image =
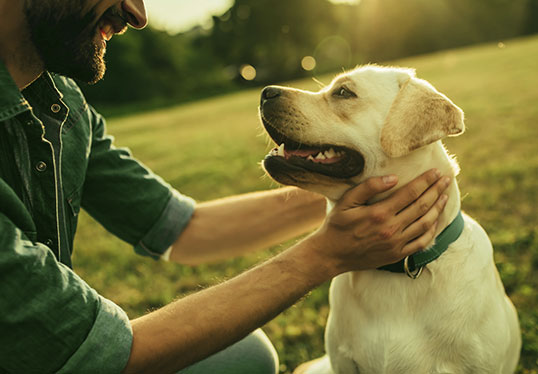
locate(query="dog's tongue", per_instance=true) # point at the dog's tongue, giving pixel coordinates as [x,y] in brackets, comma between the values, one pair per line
[302,152]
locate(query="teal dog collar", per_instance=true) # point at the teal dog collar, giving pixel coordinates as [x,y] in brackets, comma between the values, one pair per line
[412,265]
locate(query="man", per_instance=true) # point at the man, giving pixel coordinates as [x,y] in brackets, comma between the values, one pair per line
[56,157]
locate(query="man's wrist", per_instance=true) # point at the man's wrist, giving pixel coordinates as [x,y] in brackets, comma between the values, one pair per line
[313,262]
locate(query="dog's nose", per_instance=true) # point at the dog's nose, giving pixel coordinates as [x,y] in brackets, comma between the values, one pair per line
[270,92]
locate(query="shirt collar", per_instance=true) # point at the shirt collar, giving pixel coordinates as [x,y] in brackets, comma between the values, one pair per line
[12,102]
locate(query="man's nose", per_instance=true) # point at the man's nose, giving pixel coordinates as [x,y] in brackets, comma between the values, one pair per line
[136,13]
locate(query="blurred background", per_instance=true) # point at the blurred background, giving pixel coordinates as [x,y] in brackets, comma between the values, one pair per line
[194,49]
[183,93]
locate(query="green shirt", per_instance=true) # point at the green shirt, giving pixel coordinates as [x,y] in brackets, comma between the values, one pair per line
[55,157]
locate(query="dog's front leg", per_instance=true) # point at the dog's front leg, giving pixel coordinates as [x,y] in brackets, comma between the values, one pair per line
[340,360]
[345,366]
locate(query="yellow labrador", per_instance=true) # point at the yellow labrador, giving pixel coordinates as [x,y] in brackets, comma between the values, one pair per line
[443,310]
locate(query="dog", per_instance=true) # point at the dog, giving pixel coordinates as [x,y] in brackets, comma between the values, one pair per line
[446,314]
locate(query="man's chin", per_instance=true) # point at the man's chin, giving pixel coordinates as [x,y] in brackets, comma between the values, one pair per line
[89,77]
[93,72]
[89,68]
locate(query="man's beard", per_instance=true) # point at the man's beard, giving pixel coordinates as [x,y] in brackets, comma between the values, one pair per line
[65,38]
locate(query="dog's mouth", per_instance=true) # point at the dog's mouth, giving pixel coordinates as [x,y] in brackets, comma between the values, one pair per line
[326,159]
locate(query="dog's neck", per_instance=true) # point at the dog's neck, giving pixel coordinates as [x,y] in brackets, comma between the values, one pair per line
[411,166]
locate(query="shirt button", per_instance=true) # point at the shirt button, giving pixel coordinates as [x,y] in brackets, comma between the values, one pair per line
[49,242]
[55,108]
[41,166]
[29,122]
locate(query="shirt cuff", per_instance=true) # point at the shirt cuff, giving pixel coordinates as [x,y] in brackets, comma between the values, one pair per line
[166,255]
[175,217]
[107,347]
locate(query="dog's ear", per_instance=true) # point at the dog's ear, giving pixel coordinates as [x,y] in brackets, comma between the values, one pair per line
[419,115]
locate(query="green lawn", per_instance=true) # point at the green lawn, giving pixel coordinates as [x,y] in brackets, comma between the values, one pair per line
[212,148]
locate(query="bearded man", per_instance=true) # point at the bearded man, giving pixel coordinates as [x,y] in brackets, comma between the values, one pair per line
[55,157]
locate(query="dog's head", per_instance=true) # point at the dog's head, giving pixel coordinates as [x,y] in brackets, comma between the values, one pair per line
[333,139]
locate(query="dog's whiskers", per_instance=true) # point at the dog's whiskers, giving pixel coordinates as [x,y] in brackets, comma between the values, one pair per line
[320,83]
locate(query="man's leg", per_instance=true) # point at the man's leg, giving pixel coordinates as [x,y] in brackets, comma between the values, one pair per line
[253,355]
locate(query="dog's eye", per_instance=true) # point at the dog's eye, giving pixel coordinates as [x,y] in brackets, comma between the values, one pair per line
[343,93]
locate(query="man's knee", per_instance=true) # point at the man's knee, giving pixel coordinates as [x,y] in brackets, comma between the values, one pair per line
[266,358]
[254,354]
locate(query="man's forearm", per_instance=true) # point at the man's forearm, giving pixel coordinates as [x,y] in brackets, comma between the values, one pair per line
[353,237]
[194,327]
[232,226]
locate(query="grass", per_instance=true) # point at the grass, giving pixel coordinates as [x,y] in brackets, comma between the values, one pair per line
[212,148]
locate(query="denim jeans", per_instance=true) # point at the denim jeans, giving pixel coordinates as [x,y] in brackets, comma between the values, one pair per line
[253,355]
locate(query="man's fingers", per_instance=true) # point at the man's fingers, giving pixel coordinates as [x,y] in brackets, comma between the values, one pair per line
[360,194]
[425,223]
[412,191]
[419,243]
[423,205]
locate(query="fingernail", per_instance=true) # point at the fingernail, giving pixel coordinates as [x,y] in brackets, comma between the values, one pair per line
[443,198]
[390,179]
[437,173]
[445,181]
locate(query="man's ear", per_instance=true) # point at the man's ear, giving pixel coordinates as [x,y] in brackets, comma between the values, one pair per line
[419,115]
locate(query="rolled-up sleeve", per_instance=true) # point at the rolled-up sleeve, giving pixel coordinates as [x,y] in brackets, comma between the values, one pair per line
[129,200]
[107,347]
[51,321]
[174,218]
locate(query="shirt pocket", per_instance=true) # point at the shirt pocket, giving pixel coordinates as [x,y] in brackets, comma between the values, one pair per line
[76,143]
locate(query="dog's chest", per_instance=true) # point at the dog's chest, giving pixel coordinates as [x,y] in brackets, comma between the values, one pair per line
[387,324]
[390,323]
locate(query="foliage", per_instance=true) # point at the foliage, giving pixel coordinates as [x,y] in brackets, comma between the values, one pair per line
[151,68]
[271,35]
[211,148]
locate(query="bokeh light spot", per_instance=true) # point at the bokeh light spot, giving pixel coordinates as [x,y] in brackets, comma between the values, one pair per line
[333,52]
[248,72]
[308,63]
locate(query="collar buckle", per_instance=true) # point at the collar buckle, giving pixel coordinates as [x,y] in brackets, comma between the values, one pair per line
[411,274]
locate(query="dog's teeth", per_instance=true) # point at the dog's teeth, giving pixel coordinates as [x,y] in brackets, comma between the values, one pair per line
[330,153]
[310,158]
[320,156]
[280,151]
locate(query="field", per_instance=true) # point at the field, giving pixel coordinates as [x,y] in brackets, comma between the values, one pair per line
[212,148]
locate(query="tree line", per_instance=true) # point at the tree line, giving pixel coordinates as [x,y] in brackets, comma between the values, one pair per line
[258,42]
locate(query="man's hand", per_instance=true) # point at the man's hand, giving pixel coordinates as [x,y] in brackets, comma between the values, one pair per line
[356,236]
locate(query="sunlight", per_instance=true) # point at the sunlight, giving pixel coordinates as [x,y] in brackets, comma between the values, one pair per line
[177,16]
[345,1]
